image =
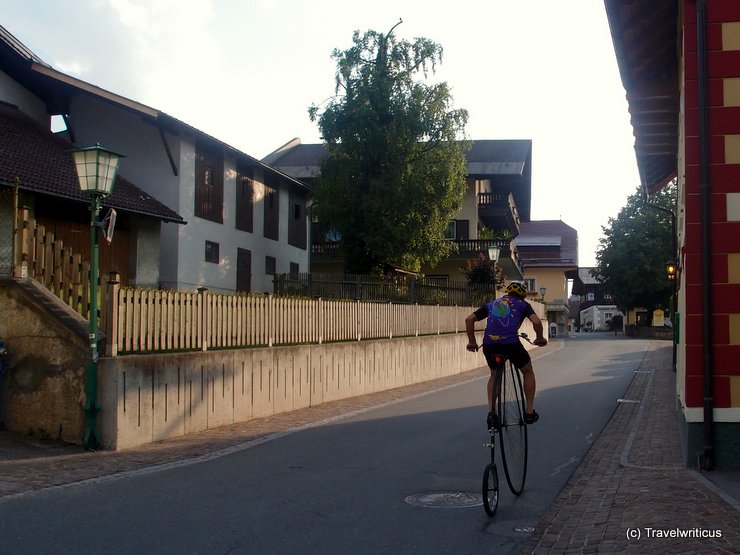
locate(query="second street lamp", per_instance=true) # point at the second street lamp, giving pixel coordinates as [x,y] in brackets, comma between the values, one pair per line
[670,270]
[96,170]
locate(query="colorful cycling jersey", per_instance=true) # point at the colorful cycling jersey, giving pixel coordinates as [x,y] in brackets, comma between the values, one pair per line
[505,315]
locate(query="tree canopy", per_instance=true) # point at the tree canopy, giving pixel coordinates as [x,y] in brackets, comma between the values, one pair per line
[395,171]
[634,250]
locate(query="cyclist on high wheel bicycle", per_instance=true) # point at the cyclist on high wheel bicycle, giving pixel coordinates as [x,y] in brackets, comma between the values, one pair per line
[505,315]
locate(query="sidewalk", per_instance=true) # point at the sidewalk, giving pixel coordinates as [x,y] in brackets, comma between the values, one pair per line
[632,480]
[631,492]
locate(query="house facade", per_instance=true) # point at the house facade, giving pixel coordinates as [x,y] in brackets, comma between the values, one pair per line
[245,220]
[497,200]
[680,66]
[549,252]
[39,187]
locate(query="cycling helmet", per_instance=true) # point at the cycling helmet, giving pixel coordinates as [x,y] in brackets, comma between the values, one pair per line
[516,288]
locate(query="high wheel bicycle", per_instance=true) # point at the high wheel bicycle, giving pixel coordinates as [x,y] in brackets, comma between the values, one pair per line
[509,425]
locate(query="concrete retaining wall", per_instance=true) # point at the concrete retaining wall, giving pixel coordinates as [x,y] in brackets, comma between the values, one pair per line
[43,387]
[146,398]
[155,397]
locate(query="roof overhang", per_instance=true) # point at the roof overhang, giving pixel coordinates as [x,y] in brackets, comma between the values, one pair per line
[80,85]
[645,36]
[57,89]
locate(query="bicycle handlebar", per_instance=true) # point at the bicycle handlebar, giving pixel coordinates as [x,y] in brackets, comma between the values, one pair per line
[523,335]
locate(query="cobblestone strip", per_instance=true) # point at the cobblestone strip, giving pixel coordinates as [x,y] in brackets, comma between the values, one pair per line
[610,507]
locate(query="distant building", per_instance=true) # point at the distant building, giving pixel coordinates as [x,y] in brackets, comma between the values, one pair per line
[549,252]
[598,317]
[496,202]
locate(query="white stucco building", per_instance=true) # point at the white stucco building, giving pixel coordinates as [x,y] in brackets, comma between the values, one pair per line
[245,221]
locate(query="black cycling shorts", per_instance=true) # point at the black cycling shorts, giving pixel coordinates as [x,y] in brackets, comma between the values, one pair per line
[515,352]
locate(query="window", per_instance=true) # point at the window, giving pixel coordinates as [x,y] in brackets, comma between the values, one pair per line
[437,279]
[270,265]
[272,208]
[530,284]
[462,230]
[212,252]
[209,186]
[294,268]
[458,230]
[297,235]
[244,201]
[243,270]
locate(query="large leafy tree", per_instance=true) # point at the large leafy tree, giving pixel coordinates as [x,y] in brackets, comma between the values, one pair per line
[634,249]
[395,171]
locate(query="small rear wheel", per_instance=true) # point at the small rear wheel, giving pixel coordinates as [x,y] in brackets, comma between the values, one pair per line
[490,489]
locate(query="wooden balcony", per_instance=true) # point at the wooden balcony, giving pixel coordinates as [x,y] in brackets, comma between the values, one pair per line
[508,254]
[466,249]
[498,212]
[328,249]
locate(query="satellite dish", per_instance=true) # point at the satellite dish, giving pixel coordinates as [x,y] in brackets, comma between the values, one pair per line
[109,225]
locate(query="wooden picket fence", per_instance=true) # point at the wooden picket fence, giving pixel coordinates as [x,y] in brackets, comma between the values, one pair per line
[137,320]
[148,320]
[45,258]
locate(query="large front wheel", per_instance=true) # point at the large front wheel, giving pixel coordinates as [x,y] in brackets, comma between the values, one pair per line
[513,431]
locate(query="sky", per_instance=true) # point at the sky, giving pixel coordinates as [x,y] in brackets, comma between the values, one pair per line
[246,72]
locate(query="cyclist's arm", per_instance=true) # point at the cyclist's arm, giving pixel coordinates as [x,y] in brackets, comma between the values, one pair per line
[470,329]
[538,329]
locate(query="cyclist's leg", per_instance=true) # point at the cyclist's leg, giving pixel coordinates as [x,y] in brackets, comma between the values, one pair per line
[489,389]
[523,362]
[488,352]
[491,361]
[530,386]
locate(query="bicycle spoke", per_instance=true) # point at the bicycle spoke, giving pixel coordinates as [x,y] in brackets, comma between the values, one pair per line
[513,432]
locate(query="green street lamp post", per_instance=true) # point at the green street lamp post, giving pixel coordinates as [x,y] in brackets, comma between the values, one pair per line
[96,171]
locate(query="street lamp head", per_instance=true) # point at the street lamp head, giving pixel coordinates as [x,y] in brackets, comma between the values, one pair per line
[96,169]
[543,290]
[670,269]
[493,253]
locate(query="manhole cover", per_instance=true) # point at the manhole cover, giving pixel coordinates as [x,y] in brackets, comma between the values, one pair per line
[524,529]
[445,499]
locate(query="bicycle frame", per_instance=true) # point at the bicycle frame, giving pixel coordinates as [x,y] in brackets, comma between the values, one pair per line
[515,430]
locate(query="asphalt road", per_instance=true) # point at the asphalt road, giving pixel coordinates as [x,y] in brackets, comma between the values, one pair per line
[342,487]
